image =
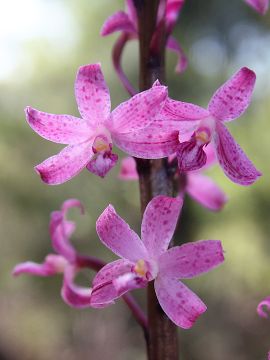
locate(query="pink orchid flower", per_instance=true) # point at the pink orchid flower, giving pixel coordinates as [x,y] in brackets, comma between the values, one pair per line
[263,306]
[127,23]
[66,261]
[150,259]
[207,126]
[200,187]
[90,139]
[261,6]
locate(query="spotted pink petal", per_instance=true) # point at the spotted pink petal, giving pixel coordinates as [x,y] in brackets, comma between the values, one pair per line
[65,165]
[75,296]
[190,155]
[159,222]
[181,116]
[104,292]
[92,94]
[118,21]
[52,265]
[61,229]
[173,8]
[205,191]
[62,129]
[261,6]
[128,170]
[183,111]
[180,304]
[233,97]
[232,159]
[182,62]
[116,234]
[153,142]
[191,259]
[116,57]
[138,112]
[264,307]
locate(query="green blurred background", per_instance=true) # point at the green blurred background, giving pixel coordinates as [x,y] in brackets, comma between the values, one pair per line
[42,43]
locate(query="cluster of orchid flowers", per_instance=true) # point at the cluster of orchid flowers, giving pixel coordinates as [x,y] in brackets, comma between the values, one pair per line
[150,125]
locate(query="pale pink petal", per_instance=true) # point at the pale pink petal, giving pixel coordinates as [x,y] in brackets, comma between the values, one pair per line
[138,112]
[233,97]
[70,204]
[62,129]
[191,259]
[129,281]
[259,5]
[190,155]
[104,292]
[205,191]
[264,307]
[115,233]
[61,230]
[72,294]
[172,11]
[159,222]
[161,15]
[182,62]
[116,57]
[153,142]
[211,156]
[118,21]
[52,265]
[92,94]
[101,164]
[128,170]
[180,304]
[132,12]
[232,159]
[65,165]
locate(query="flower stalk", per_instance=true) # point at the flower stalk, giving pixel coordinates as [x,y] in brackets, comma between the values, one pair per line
[154,177]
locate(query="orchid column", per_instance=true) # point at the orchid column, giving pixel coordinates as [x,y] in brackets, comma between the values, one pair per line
[154,177]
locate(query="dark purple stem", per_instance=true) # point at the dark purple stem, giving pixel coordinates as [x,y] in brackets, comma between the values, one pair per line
[155,176]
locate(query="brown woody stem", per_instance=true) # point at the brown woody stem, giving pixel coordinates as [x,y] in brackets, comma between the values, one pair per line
[155,177]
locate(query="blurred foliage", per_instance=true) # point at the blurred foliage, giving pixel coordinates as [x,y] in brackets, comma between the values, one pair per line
[218,37]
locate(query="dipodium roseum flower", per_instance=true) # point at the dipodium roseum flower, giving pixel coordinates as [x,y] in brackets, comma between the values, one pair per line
[90,139]
[199,186]
[263,306]
[207,126]
[127,23]
[150,259]
[66,261]
[261,6]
